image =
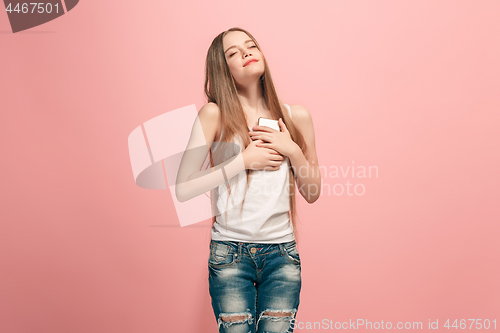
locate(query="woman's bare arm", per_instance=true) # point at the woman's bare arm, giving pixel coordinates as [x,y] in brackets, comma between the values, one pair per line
[306,166]
[191,180]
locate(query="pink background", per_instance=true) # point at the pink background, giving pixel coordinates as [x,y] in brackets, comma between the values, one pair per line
[409,87]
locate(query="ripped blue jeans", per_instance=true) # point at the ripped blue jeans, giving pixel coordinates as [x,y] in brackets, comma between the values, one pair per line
[254,287]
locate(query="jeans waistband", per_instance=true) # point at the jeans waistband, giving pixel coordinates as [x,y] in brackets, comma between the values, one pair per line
[243,248]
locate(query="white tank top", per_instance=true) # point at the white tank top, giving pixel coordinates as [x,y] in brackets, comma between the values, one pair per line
[265,214]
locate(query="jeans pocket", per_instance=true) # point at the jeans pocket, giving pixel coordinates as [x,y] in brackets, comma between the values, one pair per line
[292,253]
[221,255]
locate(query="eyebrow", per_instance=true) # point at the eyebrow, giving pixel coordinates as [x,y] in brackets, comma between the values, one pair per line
[247,41]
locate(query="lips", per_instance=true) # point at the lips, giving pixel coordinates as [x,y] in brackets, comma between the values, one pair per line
[249,62]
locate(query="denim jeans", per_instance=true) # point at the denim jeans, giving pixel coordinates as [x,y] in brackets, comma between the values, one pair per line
[254,287]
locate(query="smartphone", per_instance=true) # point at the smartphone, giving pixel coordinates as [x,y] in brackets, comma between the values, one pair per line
[269,123]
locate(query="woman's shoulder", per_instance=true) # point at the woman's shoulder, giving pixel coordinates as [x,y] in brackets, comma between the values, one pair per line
[299,113]
[210,118]
[210,109]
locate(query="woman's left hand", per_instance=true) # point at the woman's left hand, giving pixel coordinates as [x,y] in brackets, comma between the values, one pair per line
[279,141]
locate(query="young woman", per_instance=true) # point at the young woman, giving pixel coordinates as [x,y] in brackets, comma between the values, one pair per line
[254,265]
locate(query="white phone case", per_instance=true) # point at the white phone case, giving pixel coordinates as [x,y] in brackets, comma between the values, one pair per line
[269,123]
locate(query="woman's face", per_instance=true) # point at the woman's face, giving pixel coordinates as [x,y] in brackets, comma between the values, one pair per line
[238,50]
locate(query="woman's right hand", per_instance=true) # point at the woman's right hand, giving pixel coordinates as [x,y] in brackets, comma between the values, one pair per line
[261,158]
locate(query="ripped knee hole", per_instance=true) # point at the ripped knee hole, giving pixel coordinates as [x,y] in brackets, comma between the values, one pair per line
[229,318]
[277,314]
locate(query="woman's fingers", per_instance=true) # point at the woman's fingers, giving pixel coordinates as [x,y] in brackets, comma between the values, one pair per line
[272,151]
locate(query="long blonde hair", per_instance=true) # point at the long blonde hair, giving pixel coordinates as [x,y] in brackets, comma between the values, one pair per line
[220,89]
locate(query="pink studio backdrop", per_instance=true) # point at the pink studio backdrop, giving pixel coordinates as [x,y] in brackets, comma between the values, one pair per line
[407,87]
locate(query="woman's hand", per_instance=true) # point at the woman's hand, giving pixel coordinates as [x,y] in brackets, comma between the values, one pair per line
[259,158]
[279,141]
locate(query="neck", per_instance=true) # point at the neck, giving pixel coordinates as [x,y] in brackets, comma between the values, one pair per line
[251,97]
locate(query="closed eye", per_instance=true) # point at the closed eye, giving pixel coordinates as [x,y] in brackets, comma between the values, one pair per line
[235,52]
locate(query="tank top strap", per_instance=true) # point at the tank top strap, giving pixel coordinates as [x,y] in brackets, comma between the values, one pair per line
[216,144]
[289,110]
[221,131]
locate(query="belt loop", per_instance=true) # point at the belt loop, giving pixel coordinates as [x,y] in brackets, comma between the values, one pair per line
[282,250]
[239,252]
